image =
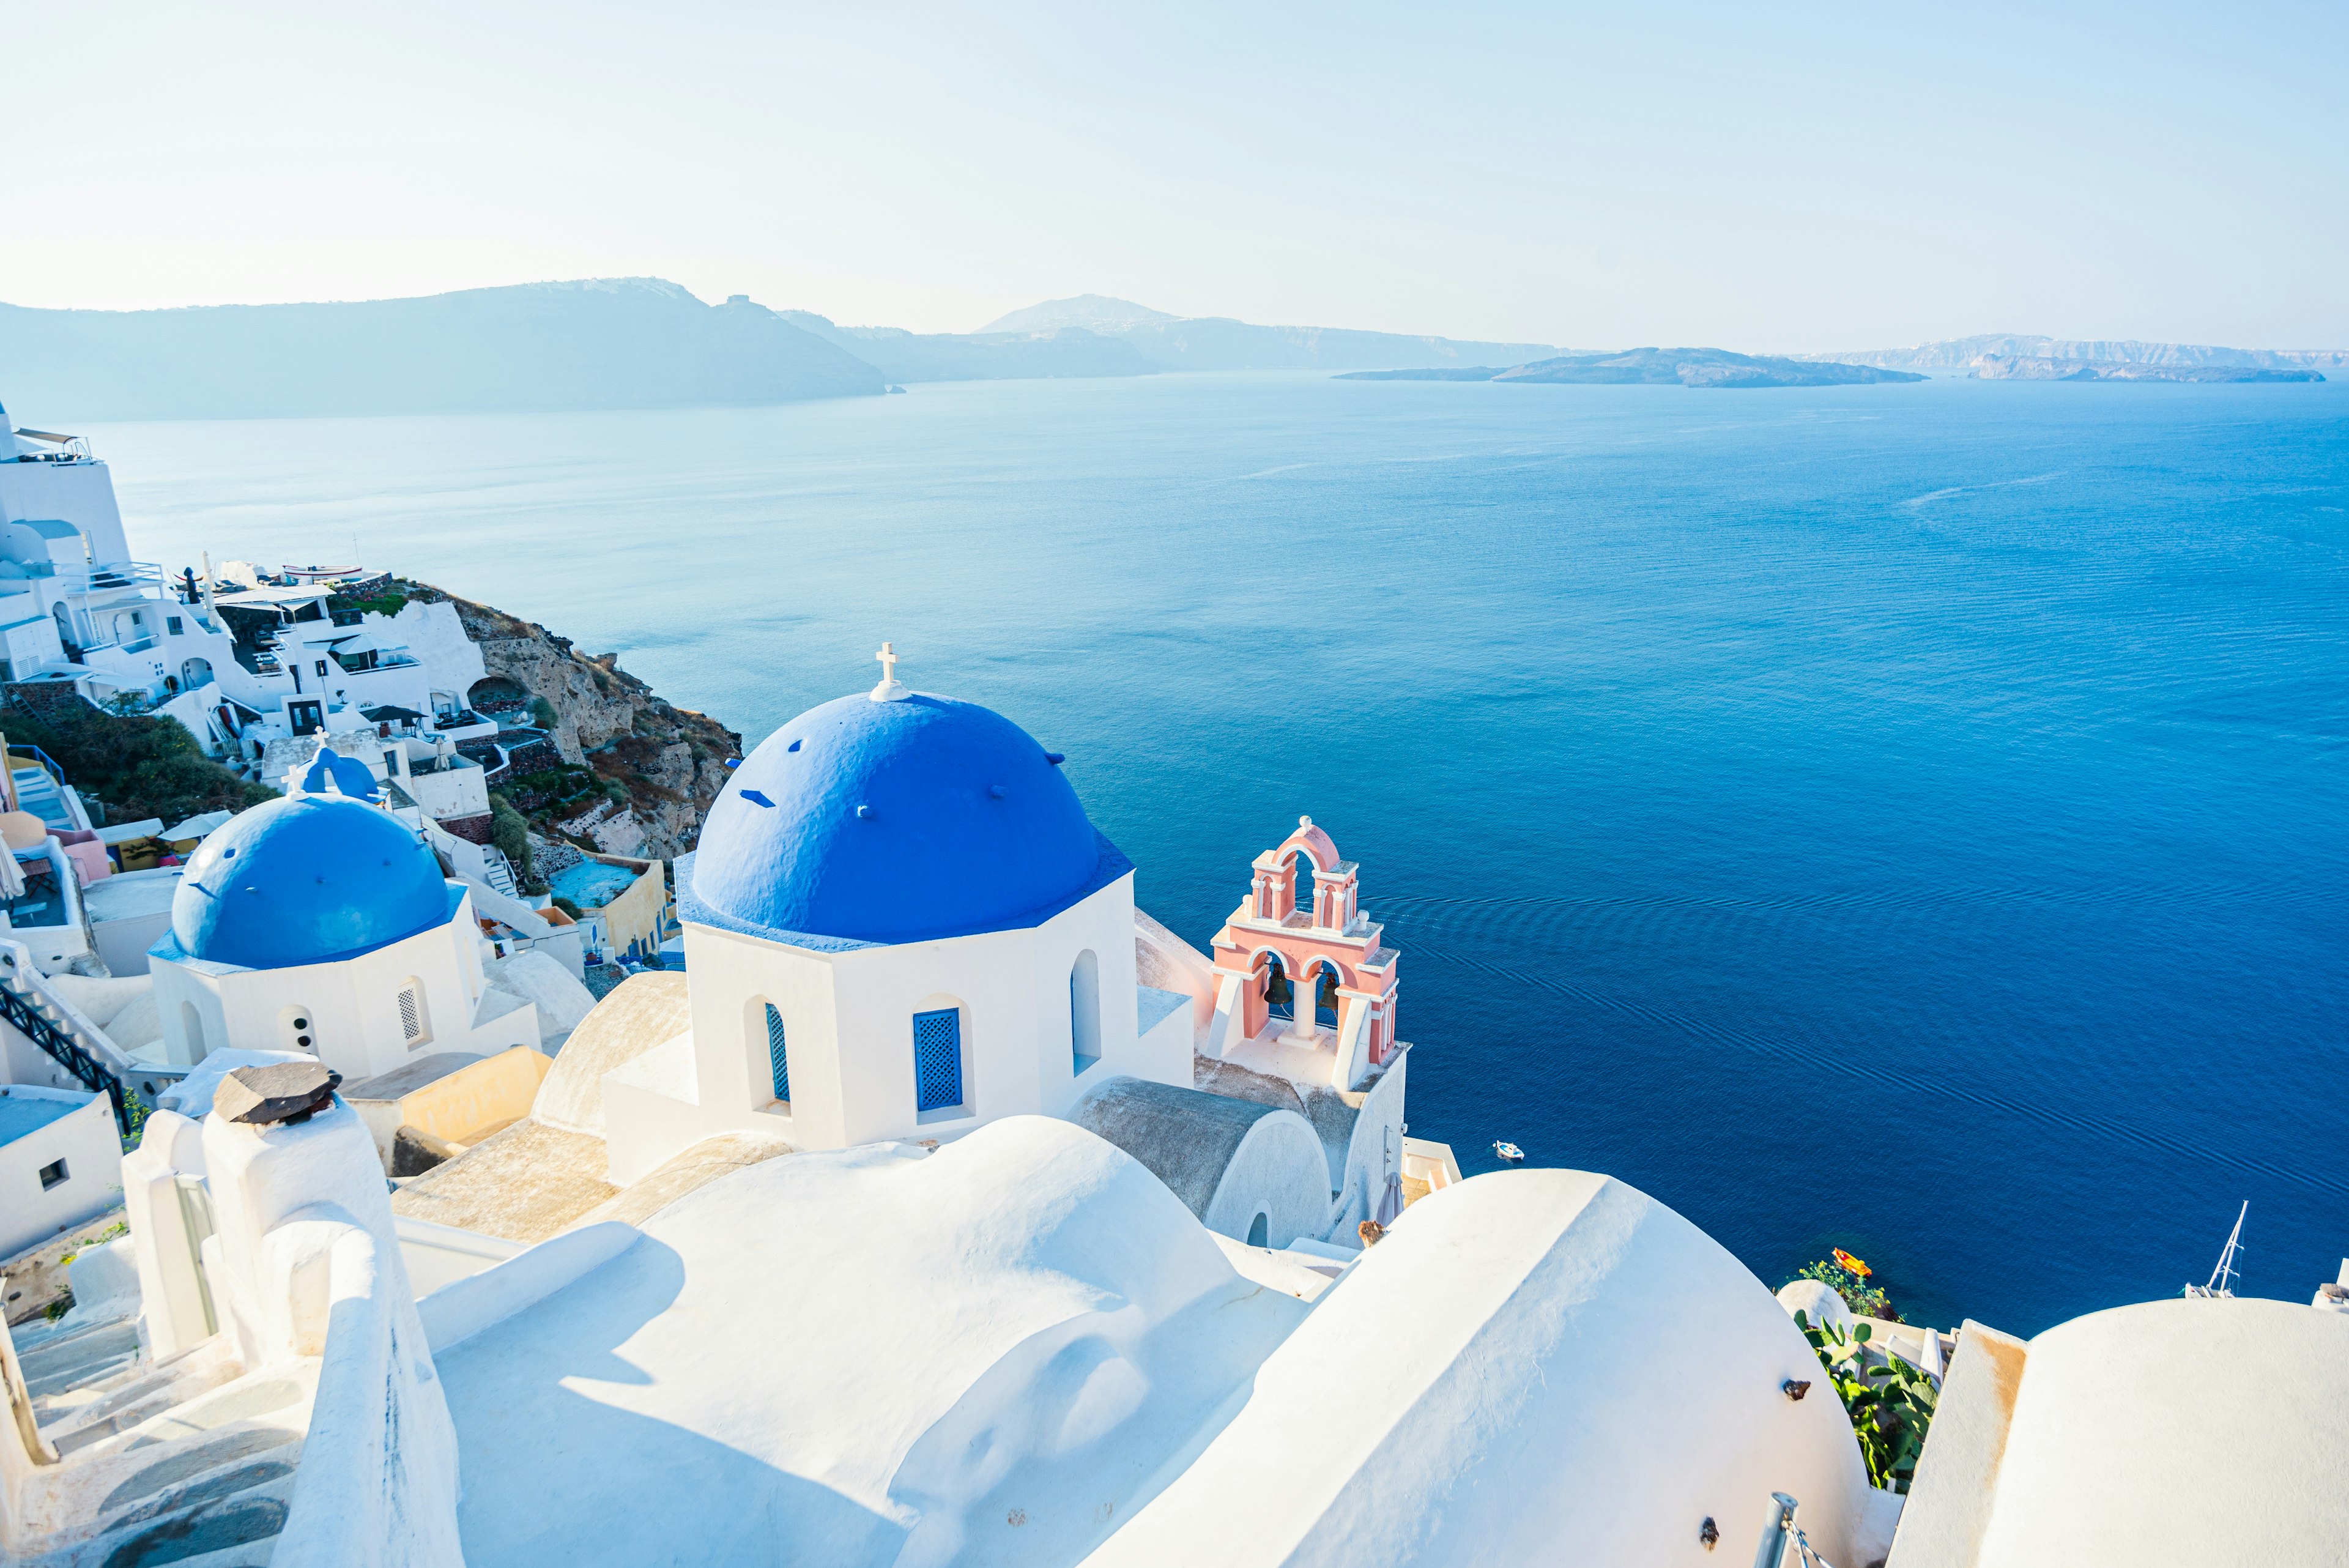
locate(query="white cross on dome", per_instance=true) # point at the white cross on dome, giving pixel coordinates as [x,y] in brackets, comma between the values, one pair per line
[890,690]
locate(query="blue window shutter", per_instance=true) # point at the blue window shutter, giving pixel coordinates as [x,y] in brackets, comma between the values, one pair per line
[778,1060]
[938,1059]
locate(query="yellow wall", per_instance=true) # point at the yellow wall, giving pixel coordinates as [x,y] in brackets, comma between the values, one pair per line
[636,915]
[473,1102]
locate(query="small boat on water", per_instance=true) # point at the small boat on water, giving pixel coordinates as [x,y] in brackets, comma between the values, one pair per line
[1852,1263]
[1508,1151]
[2222,1278]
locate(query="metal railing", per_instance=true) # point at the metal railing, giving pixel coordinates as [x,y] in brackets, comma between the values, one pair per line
[113,575]
[66,1052]
[1779,1532]
[26,749]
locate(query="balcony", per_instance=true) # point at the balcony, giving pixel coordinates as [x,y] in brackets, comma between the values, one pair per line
[110,578]
[377,659]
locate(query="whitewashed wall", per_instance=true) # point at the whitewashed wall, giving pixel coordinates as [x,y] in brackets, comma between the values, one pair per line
[86,1140]
[848,1017]
[353,1005]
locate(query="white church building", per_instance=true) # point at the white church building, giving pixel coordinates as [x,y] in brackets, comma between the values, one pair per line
[323,924]
[898,924]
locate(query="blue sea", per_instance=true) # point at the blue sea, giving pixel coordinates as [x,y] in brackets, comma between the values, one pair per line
[1906,818]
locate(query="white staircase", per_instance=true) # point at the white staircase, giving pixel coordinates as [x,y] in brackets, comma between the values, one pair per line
[499,871]
[217,1487]
[57,1027]
[39,793]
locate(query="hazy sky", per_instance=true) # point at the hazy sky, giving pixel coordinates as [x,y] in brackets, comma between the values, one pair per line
[1758,177]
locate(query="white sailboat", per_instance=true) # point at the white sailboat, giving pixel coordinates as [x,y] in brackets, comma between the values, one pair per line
[2219,1285]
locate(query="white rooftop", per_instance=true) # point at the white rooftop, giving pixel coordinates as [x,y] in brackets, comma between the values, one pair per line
[865,1357]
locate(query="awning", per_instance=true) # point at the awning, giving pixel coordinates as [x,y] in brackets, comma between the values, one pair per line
[390,715]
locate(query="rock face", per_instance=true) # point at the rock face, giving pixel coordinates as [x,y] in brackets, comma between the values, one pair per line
[2034,368]
[669,763]
[1659,367]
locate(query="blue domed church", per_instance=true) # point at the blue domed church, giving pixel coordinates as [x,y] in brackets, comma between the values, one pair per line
[899,923]
[319,922]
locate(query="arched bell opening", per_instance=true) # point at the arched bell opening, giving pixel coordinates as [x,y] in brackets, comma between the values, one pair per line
[1318,984]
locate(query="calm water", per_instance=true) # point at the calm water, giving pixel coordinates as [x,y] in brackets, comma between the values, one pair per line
[1906,818]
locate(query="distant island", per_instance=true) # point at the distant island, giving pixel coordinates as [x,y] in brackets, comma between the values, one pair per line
[615,343]
[1658,367]
[611,343]
[646,343]
[2012,357]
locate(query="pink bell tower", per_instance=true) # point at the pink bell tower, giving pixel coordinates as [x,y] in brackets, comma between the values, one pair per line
[1302,912]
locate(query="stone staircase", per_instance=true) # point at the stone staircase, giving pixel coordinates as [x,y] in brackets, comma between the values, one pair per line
[181,1461]
[39,793]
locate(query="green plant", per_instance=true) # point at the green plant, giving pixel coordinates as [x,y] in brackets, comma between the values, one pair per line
[616,793]
[509,832]
[389,600]
[1863,1298]
[567,906]
[120,1227]
[135,1111]
[141,766]
[543,713]
[1890,1402]
[59,1307]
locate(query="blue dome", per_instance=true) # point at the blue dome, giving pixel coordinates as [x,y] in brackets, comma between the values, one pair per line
[307,880]
[893,822]
[349,775]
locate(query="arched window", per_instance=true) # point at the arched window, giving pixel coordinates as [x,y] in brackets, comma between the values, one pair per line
[415,1025]
[1084,1010]
[778,1059]
[938,1060]
[1259,1231]
[191,1024]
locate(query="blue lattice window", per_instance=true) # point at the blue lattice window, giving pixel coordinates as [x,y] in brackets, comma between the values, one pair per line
[938,1059]
[778,1061]
[1084,1011]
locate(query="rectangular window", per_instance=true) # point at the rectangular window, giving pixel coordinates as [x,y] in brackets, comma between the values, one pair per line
[778,1060]
[938,1059]
[411,1015]
[1084,1011]
[176,625]
[52,1174]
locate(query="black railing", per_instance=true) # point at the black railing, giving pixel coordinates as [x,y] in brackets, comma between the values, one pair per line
[68,1055]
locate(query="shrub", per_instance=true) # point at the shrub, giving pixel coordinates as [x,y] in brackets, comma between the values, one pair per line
[543,713]
[510,831]
[391,601]
[1890,1404]
[140,765]
[567,906]
[1863,1298]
